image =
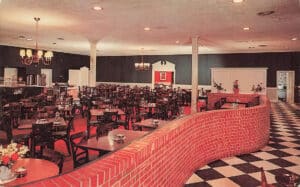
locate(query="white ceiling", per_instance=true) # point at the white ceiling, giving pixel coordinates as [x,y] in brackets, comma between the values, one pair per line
[119,27]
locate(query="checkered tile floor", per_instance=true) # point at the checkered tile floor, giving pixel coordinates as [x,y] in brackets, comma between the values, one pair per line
[281,155]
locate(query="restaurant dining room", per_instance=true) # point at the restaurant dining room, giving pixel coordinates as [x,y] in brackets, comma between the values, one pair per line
[150,93]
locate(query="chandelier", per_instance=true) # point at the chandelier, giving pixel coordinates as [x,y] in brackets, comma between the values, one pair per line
[142,66]
[36,56]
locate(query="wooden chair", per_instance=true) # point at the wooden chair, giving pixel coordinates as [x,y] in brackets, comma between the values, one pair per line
[91,123]
[80,156]
[134,119]
[15,113]
[41,135]
[5,125]
[65,134]
[125,122]
[54,156]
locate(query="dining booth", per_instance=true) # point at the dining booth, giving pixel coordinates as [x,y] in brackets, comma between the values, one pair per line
[170,154]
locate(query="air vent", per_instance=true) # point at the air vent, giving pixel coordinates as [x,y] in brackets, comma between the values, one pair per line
[263,45]
[266,13]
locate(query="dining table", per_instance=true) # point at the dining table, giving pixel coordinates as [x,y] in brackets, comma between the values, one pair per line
[111,142]
[149,124]
[100,112]
[57,123]
[36,169]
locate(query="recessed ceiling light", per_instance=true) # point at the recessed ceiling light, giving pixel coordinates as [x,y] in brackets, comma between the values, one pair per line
[294,39]
[97,8]
[238,1]
[266,13]
[147,29]
[177,41]
[29,39]
[60,38]
[21,37]
[246,28]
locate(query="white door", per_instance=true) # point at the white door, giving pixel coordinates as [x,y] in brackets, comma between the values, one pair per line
[48,73]
[286,85]
[290,86]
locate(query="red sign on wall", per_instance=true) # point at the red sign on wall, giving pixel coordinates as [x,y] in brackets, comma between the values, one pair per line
[163,77]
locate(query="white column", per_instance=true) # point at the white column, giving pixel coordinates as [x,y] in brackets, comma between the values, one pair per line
[194,75]
[93,57]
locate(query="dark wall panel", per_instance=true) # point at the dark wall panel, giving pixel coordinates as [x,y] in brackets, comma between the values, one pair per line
[123,66]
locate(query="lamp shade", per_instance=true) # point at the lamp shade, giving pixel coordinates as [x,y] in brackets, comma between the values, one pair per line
[29,53]
[22,53]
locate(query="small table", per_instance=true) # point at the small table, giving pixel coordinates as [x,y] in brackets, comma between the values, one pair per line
[36,169]
[107,143]
[100,112]
[148,123]
[27,123]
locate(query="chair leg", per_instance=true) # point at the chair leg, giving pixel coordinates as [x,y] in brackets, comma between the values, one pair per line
[88,131]
[68,146]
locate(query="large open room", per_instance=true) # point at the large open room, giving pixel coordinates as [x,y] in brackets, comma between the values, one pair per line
[193,93]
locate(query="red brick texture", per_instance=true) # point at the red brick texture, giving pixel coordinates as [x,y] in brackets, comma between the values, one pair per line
[169,155]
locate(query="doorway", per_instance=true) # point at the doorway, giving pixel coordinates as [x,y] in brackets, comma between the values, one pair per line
[285,86]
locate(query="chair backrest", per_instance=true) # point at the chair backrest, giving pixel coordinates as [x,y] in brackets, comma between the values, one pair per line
[70,125]
[80,156]
[110,116]
[136,118]
[42,132]
[54,156]
[88,115]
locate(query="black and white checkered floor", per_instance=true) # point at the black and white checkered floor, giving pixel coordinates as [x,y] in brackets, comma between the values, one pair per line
[281,155]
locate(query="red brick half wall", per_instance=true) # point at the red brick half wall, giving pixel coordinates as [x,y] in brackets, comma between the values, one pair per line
[169,155]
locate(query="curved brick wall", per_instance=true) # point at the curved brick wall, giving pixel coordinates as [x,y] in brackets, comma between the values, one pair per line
[169,155]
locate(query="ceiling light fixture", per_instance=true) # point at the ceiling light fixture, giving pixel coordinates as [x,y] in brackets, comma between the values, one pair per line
[21,37]
[28,57]
[97,8]
[246,28]
[294,39]
[238,1]
[29,39]
[177,41]
[147,29]
[142,66]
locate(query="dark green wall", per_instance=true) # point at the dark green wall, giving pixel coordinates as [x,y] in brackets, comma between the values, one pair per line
[121,68]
